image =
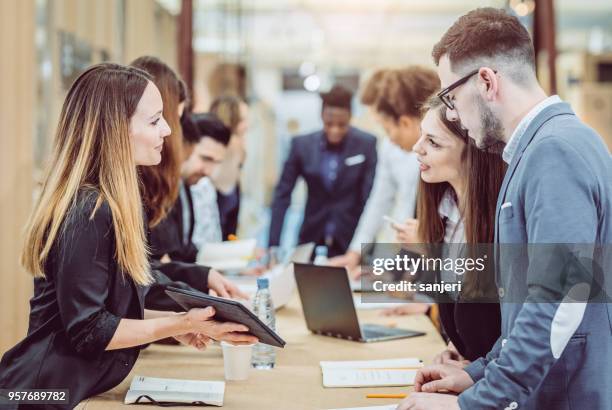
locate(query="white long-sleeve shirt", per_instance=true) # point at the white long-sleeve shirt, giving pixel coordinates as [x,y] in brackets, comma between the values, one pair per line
[394,192]
[207,225]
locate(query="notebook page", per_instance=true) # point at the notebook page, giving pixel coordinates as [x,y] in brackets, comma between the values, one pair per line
[372,364]
[368,378]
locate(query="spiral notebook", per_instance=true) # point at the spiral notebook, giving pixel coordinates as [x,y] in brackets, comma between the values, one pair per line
[152,390]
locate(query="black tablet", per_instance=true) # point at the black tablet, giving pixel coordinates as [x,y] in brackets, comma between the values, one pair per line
[226,311]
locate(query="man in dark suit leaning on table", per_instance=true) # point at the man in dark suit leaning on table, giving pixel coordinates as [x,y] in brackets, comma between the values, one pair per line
[338,165]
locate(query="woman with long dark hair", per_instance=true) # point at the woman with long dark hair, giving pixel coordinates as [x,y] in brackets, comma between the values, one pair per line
[172,249]
[456,205]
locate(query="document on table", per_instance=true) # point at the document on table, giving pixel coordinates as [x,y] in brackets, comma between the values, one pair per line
[370,373]
[151,389]
[282,285]
[228,255]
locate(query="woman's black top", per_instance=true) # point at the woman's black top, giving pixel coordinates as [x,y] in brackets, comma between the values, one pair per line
[75,311]
[472,327]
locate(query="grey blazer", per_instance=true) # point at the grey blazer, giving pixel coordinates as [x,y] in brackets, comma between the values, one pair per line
[552,354]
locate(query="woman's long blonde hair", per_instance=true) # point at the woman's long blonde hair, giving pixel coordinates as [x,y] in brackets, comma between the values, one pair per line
[92,150]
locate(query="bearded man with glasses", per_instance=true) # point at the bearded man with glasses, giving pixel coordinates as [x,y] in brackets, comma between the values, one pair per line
[555,348]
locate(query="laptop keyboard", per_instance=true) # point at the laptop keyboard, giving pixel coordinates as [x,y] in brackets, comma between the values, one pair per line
[374,332]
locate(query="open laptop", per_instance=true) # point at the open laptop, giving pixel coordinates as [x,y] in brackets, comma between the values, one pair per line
[329,309]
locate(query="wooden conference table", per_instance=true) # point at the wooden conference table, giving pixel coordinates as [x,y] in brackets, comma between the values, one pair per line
[296,380]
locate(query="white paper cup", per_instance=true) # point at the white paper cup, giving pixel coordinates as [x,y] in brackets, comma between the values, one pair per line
[236,360]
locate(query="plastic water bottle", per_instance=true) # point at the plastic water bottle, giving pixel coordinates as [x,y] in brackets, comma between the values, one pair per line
[320,255]
[264,355]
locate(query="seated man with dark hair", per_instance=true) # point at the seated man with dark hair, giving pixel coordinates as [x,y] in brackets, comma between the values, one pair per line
[205,139]
[172,237]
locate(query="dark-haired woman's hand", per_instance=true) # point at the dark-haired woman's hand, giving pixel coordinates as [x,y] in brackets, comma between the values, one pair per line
[407,232]
[451,356]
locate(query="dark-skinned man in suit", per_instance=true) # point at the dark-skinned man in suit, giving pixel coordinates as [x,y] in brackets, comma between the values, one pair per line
[338,164]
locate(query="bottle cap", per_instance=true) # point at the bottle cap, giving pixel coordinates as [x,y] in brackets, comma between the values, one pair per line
[263,283]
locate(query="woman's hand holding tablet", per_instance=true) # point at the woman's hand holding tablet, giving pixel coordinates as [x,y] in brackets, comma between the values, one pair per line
[231,319]
[200,320]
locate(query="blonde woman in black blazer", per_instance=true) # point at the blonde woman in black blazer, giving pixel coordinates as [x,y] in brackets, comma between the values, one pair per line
[86,248]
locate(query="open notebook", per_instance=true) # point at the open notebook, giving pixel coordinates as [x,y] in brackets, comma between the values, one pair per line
[161,391]
[370,373]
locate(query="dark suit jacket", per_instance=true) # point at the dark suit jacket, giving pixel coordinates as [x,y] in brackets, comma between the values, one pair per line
[472,327]
[75,312]
[167,236]
[343,203]
[182,272]
[229,208]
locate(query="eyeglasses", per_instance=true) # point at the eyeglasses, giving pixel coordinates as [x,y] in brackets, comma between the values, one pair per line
[447,99]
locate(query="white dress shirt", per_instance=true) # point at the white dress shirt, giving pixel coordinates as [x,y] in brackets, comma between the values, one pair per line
[207,225]
[454,235]
[520,129]
[395,189]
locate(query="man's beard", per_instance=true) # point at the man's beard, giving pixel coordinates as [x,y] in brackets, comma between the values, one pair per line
[492,131]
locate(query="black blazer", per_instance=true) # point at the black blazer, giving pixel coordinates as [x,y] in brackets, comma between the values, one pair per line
[343,203]
[75,311]
[167,236]
[182,272]
[472,327]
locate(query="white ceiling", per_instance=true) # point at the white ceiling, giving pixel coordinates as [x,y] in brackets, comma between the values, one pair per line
[354,33]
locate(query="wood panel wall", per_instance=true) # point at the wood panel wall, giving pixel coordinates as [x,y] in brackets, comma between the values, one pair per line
[17,85]
[125,30]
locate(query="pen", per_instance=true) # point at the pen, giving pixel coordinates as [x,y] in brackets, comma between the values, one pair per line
[386,396]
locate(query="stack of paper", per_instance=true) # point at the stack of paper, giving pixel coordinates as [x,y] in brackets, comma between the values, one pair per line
[282,285]
[150,389]
[228,255]
[370,373]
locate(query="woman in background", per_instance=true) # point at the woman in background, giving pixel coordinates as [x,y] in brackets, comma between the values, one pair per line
[85,245]
[396,97]
[165,198]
